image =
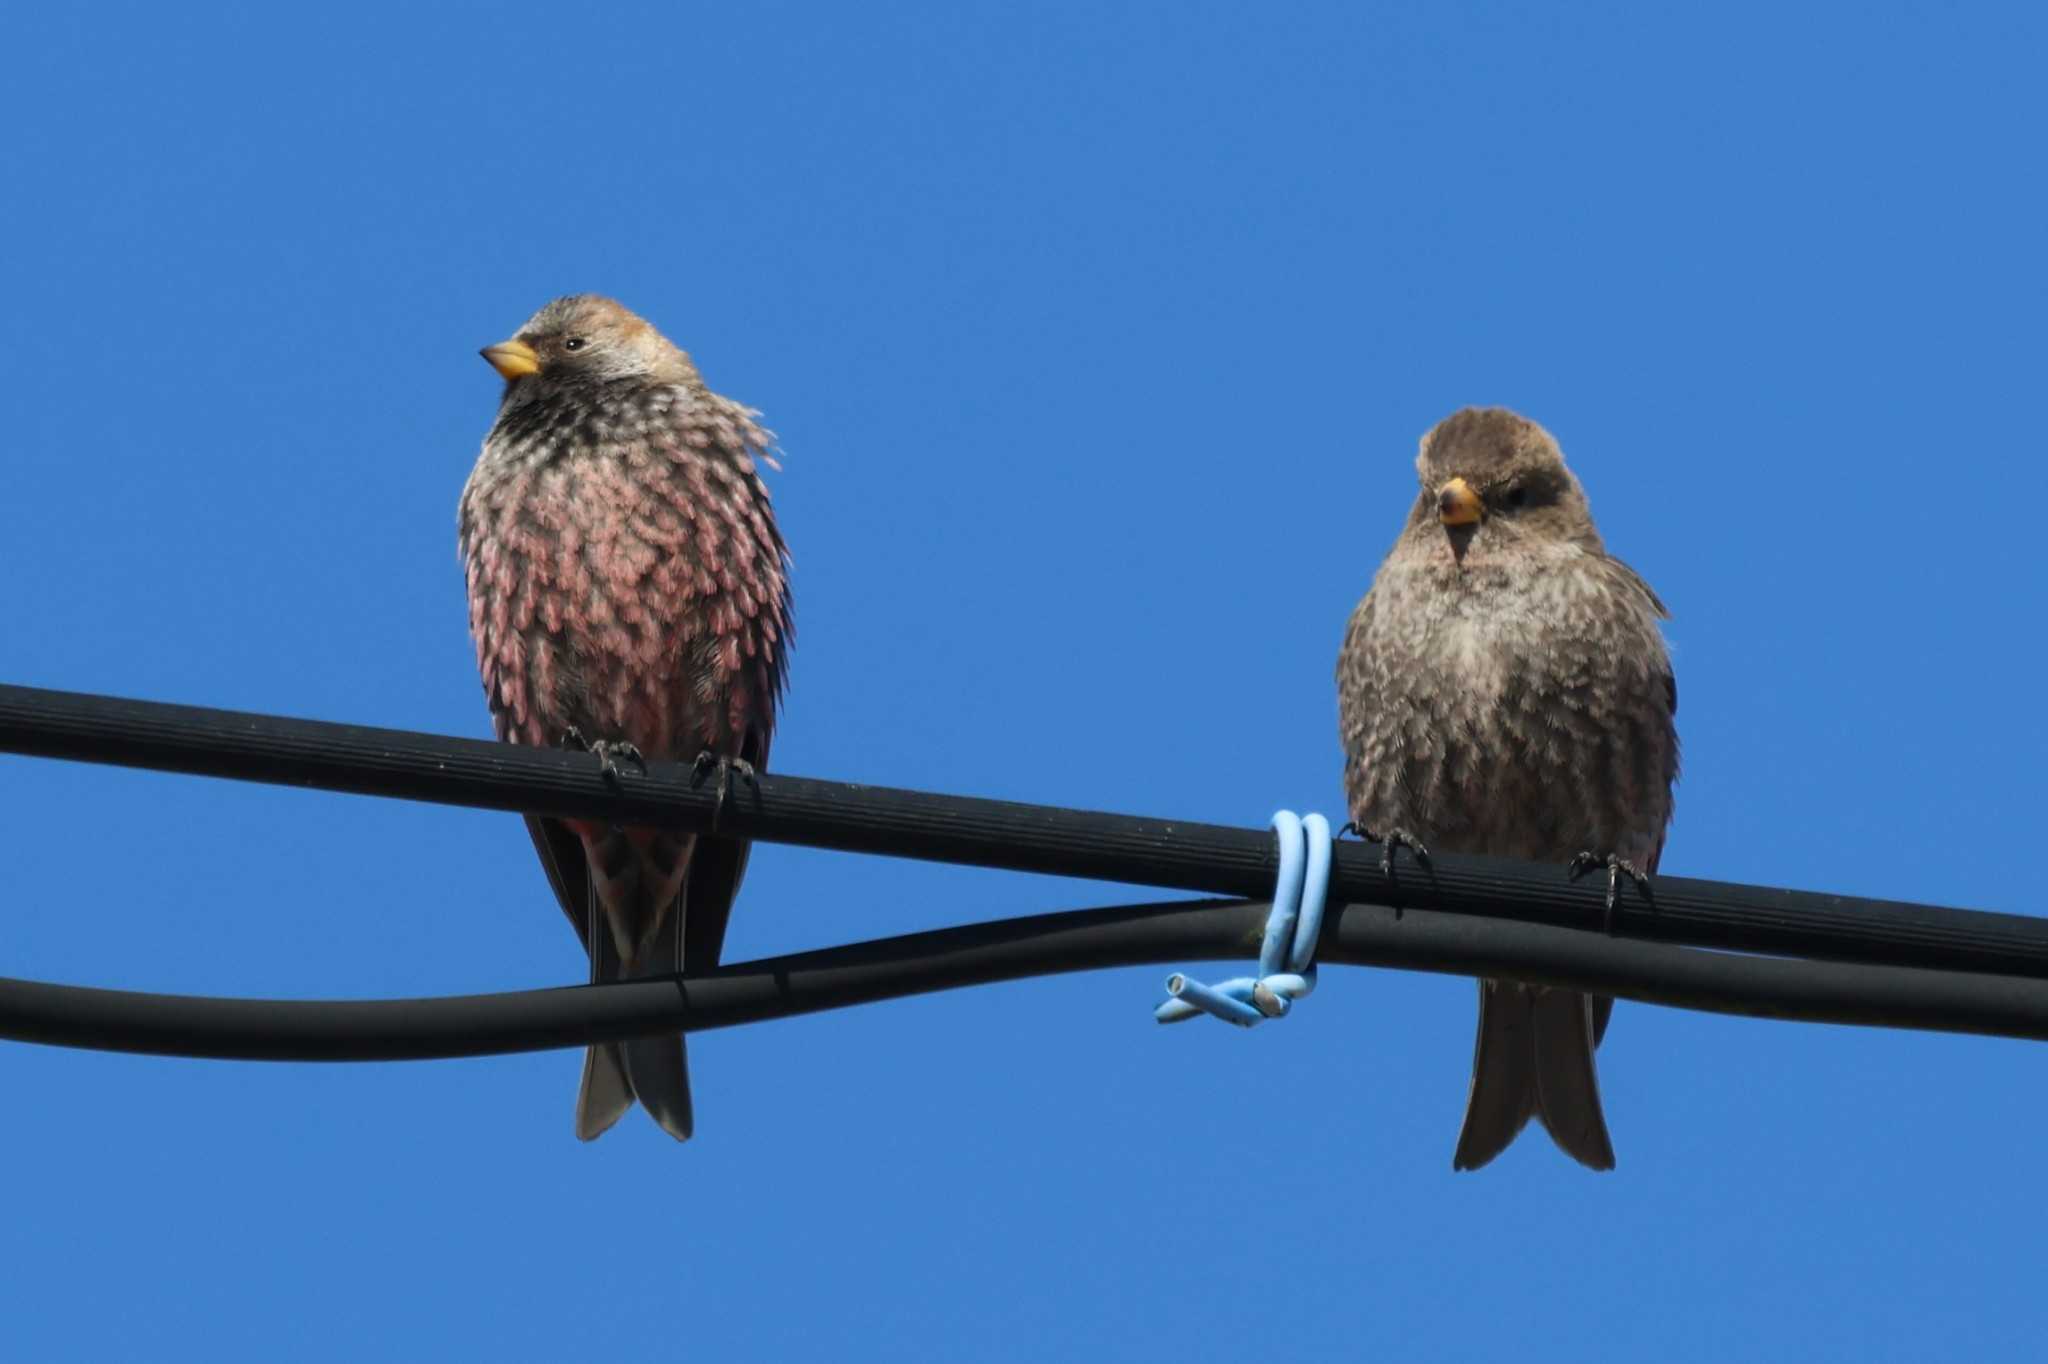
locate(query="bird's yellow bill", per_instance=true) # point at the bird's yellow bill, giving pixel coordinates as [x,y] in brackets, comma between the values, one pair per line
[1456,503]
[513,359]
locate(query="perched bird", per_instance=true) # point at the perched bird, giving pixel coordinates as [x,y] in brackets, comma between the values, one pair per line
[1504,689]
[628,594]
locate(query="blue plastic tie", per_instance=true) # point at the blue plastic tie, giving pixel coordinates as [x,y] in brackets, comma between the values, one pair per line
[1287,965]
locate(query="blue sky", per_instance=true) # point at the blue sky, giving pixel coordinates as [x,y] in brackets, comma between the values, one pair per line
[1098,340]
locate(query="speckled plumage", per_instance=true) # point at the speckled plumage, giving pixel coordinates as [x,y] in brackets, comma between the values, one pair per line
[627,582]
[1504,688]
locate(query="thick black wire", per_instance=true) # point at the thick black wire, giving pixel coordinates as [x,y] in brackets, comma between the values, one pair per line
[1180,855]
[977,954]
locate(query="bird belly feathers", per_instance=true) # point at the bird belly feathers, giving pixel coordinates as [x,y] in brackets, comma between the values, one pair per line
[1502,711]
[636,598]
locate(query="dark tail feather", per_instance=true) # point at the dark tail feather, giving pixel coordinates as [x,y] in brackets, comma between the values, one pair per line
[657,1067]
[1567,1083]
[651,1069]
[1534,1058]
[1503,1091]
[605,1095]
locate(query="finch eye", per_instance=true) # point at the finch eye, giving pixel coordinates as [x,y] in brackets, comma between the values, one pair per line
[574,343]
[1517,498]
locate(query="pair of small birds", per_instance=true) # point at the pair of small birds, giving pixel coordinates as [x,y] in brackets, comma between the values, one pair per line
[1503,688]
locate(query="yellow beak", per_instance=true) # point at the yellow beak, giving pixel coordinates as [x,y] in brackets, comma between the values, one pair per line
[1456,503]
[513,359]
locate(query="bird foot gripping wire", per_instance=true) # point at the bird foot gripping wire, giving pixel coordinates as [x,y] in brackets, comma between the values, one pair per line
[1287,957]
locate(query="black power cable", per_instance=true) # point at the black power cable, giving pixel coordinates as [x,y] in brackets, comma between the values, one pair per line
[976,954]
[849,817]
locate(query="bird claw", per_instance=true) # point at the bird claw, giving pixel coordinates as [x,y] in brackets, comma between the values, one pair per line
[608,753]
[726,767]
[1391,840]
[1616,864]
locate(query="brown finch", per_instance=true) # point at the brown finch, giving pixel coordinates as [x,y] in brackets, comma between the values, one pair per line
[628,593]
[1504,689]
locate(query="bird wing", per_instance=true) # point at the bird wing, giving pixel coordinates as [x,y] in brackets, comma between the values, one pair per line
[561,857]
[716,869]
[1635,581]
[1357,702]
[1603,1006]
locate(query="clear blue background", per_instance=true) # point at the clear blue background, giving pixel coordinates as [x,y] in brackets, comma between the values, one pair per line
[1098,340]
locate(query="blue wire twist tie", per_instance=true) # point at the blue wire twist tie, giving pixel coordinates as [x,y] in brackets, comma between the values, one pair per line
[1287,969]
